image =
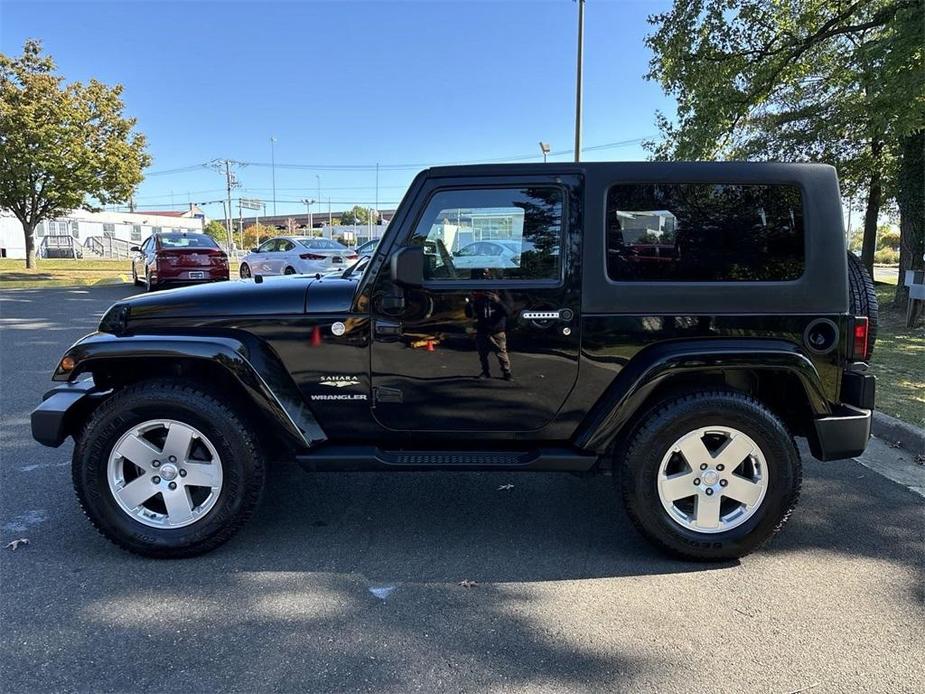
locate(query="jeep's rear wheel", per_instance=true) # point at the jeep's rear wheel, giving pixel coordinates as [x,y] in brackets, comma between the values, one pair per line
[165,469]
[710,476]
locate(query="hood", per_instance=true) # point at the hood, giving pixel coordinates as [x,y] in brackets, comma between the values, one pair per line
[273,296]
[331,295]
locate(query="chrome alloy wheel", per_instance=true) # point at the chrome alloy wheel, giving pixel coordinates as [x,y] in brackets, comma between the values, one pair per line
[712,479]
[165,474]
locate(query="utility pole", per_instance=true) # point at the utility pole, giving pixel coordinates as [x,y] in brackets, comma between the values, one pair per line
[377,190]
[318,179]
[228,183]
[273,167]
[579,84]
[308,212]
[241,223]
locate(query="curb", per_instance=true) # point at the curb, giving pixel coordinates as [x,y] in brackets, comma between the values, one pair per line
[892,430]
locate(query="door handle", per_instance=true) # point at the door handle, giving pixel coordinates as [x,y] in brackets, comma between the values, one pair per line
[387,328]
[565,314]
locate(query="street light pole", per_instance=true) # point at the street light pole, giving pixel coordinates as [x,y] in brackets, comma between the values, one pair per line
[273,167]
[308,212]
[318,199]
[579,84]
[544,148]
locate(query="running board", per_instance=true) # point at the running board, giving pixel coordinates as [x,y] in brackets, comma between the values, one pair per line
[356,458]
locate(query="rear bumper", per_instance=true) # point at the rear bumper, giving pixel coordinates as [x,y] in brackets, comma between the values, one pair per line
[843,434]
[50,418]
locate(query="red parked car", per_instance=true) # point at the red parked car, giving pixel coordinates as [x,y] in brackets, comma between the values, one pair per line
[178,257]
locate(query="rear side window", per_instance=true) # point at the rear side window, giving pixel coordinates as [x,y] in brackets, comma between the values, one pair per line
[694,232]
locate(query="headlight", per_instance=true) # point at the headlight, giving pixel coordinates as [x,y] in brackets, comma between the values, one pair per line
[115,320]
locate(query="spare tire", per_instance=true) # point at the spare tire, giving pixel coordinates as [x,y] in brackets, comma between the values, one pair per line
[863,298]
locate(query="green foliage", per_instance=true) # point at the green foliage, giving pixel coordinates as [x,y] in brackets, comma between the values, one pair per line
[355,215]
[887,237]
[217,231]
[886,256]
[62,146]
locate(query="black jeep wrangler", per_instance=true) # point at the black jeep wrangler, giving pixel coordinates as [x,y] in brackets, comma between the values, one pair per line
[674,324]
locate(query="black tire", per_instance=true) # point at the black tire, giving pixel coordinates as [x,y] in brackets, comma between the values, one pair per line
[289,271]
[863,298]
[244,271]
[665,424]
[242,467]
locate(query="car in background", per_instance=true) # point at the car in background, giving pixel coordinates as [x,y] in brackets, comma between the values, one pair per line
[490,254]
[296,255]
[178,257]
[367,248]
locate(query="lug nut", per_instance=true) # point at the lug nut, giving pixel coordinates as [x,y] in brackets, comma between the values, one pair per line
[703,466]
[723,483]
[709,492]
[156,479]
[172,485]
[172,459]
[156,463]
[697,482]
[720,467]
[182,473]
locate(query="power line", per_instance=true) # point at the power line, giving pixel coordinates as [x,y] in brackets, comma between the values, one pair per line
[400,167]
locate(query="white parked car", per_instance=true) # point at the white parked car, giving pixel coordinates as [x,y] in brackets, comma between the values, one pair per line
[296,255]
[490,254]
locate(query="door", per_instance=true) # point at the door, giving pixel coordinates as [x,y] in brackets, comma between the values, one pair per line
[487,348]
[262,260]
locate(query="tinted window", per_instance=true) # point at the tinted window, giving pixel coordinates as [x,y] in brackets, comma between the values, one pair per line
[285,245]
[492,234]
[704,232]
[186,241]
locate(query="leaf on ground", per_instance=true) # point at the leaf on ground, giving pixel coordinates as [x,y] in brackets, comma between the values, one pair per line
[468,584]
[896,444]
[505,487]
[920,459]
[14,545]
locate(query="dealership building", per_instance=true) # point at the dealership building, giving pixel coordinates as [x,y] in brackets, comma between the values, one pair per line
[87,233]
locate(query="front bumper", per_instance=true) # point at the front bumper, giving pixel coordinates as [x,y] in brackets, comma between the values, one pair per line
[50,420]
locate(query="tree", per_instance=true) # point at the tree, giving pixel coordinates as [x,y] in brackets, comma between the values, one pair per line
[62,146]
[795,80]
[217,231]
[355,215]
[256,234]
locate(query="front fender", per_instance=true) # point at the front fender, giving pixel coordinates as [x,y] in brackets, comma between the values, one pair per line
[652,366]
[252,365]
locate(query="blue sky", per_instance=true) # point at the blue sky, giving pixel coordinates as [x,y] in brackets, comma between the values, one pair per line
[349,83]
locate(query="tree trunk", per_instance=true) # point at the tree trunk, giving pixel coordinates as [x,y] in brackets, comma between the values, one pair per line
[874,195]
[911,199]
[29,232]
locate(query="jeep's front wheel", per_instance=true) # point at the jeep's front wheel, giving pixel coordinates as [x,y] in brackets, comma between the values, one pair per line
[165,469]
[710,476]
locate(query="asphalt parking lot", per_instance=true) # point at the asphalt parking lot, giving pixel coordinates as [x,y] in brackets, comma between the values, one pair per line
[351,582]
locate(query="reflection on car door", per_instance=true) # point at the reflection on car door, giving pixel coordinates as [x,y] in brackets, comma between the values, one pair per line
[283,256]
[263,257]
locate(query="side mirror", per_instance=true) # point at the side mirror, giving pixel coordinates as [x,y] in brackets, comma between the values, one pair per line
[408,266]
[255,250]
[135,249]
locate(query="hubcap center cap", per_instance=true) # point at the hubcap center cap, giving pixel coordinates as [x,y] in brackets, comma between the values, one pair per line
[710,477]
[168,472]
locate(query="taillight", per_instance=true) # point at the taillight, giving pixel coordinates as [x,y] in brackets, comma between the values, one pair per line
[311,256]
[859,342]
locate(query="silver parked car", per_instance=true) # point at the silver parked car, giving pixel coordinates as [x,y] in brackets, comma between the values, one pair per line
[296,255]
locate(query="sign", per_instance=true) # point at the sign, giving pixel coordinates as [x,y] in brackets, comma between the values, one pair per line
[249,204]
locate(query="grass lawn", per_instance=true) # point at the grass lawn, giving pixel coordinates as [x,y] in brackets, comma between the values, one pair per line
[899,362]
[62,272]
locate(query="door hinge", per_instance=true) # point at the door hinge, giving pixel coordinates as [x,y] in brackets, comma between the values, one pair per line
[387,395]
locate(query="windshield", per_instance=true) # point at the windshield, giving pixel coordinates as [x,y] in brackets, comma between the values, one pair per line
[323,244]
[193,240]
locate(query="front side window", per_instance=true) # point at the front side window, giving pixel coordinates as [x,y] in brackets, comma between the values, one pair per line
[694,232]
[492,234]
[267,246]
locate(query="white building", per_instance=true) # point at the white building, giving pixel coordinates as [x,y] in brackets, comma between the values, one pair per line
[96,233]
